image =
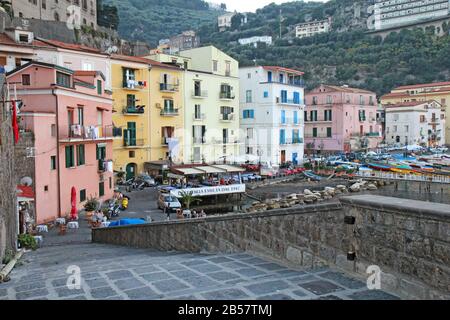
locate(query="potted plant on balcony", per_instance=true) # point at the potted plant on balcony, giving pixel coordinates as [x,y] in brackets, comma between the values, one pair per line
[90,207]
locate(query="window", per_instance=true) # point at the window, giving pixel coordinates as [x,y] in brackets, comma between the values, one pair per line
[248,96]
[283,116]
[45,188]
[129,78]
[297,98]
[328,115]
[63,79]
[197,112]
[315,101]
[81,155]
[266,94]
[53,130]
[284,98]
[282,136]
[26,80]
[225,135]
[197,88]
[81,116]
[406,128]
[227,68]
[315,132]
[70,157]
[329,135]
[329,99]
[215,65]
[53,163]
[361,100]
[295,117]
[131,154]
[101,152]
[83,195]
[296,136]
[306,116]
[131,101]
[248,114]
[110,183]
[313,115]
[99,87]
[395,128]
[249,75]
[101,189]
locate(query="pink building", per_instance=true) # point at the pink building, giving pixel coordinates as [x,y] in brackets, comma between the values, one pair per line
[341,119]
[70,115]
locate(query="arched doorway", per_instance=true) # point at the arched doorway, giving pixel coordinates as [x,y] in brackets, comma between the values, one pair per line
[131,170]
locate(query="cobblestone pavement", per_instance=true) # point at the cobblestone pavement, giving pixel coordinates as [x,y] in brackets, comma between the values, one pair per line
[117,273]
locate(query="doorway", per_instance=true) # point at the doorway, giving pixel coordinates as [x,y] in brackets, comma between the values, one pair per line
[131,171]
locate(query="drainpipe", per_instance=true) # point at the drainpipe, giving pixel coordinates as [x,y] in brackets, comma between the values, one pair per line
[58,169]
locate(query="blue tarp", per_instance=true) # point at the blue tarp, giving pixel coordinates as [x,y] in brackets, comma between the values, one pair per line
[126,222]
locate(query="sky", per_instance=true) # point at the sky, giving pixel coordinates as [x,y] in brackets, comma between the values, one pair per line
[249,5]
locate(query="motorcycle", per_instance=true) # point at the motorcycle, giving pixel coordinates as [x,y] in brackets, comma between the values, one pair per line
[124,205]
[113,210]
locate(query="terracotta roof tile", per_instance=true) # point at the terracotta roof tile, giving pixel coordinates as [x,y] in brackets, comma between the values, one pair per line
[282,69]
[424,85]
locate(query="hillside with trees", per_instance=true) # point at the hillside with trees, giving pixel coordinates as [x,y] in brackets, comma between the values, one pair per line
[152,20]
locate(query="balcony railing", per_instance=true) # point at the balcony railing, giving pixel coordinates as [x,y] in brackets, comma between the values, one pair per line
[85,133]
[199,117]
[134,84]
[227,96]
[129,143]
[199,140]
[226,117]
[136,110]
[317,136]
[165,140]
[165,87]
[435,120]
[199,94]
[288,101]
[169,112]
[297,83]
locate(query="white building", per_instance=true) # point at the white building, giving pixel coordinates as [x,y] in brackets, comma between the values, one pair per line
[272,114]
[309,29]
[415,122]
[255,40]
[224,21]
[394,13]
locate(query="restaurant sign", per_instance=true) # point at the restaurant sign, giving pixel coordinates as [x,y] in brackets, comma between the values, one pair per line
[210,191]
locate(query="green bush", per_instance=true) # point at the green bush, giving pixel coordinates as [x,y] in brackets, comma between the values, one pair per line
[27,241]
[91,204]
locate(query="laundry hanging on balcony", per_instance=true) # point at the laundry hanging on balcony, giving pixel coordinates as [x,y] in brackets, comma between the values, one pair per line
[15,124]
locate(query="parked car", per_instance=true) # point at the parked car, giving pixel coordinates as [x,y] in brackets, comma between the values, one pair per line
[165,200]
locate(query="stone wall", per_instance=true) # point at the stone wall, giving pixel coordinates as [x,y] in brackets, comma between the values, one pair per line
[407,241]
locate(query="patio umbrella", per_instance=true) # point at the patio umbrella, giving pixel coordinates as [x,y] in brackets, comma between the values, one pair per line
[73,201]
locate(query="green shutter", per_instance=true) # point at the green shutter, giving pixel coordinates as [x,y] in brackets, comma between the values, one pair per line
[101,189]
[69,157]
[99,87]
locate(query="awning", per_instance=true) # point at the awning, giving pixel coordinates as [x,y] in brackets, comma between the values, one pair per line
[228,168]
[210,169]
[189,171]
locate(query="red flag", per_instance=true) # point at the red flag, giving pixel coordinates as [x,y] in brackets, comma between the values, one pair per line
[15,125]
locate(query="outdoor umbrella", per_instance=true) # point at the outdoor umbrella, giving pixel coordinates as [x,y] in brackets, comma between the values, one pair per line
[73,201]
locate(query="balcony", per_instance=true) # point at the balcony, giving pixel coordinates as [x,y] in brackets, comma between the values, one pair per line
[199,140]
[227,96]
[362,119]
[297,141]
[169,112]
[295,83]
[77,132]
[317,136]
[133,143]
[435,121]
[373,134]
[288,101]
[199,94]
[165,87]
[134,84]
[226,117]
[101,166]
[199,117]
[134,110]
[165,140]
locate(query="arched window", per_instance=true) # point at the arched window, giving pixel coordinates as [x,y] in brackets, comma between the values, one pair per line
[56,15]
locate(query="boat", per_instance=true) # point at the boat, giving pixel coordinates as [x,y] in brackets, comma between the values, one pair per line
[309,174]
[379,166]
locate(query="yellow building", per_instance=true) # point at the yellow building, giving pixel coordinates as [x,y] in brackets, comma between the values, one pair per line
[439,91]
[166,112]
[131,113]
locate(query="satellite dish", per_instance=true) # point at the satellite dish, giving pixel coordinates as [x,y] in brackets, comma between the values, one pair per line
[26,181]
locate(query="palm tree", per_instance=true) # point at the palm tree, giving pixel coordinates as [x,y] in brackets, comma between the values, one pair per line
[188,198]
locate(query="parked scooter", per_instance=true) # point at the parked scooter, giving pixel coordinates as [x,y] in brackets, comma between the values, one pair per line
[113,210]
[124,205]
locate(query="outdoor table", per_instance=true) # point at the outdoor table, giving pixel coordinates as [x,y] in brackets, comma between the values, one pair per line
[73,225]
[60,221]
[42,228]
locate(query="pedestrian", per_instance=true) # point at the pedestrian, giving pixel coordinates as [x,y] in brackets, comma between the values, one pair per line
[167,209]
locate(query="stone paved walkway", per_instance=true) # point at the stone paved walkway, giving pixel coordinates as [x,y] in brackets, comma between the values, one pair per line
[117,273]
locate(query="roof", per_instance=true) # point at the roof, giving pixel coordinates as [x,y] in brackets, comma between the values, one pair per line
[282,69]
[408,104]
[42,64]
[25,192]
[424,85]
[5,39]
[348,89]
[71,46]
[150,62]
[89,74]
